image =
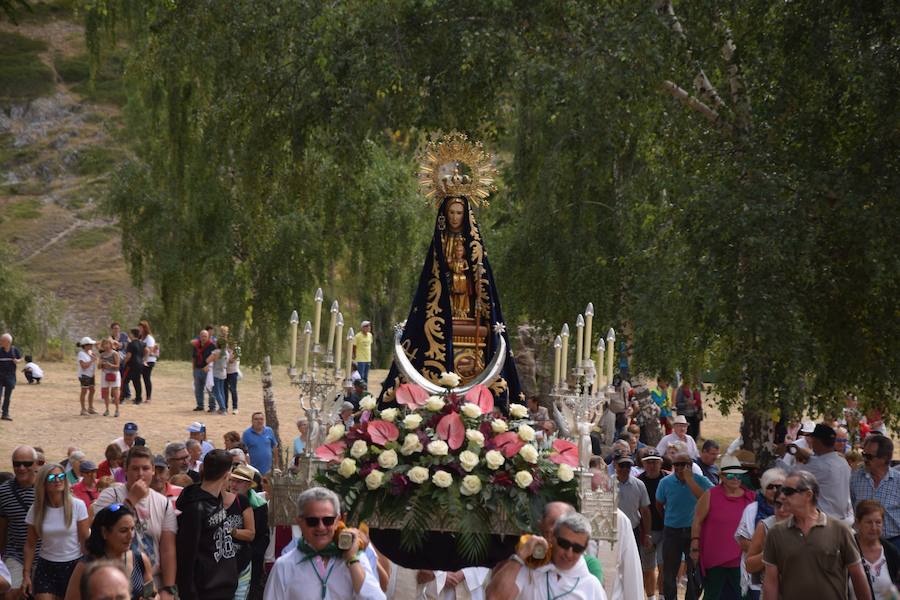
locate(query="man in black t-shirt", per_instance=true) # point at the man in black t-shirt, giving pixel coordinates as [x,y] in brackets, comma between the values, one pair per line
[9,358]
[651,558]
[134,364]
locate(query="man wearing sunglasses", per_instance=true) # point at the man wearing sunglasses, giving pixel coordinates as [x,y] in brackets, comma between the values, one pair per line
[878,481]
[16,497]
[316,564]
[677,496]
[566,576]
[811,554]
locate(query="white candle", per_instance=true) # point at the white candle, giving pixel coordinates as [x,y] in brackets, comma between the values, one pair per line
[295,319]
[610,353]
[564,364]
[331,326]
[339,340]
[307,339]
[350,338]
[318,319]
[557,355]
[579,338]
[601,376]
[589,321]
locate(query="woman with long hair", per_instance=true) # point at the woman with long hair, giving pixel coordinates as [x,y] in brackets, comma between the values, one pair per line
[60,523]
[111,536]
[152,356]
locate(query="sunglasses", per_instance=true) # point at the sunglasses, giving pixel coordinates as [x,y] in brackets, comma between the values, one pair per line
[115,507]
[773,486]
[841,440]
[681,464]
[732,476]
[789,491]
[56,477]
[23,463]
[569,545]
[316,521]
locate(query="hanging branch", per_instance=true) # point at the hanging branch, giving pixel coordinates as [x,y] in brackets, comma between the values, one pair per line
[693,103]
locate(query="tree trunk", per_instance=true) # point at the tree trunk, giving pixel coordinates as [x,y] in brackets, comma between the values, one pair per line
[758,433]
[269,408]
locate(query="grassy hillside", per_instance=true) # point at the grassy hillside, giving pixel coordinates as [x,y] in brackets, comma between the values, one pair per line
[59,145]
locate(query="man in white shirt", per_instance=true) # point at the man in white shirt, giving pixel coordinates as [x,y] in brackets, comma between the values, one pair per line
[316,569]
[679,434]
[565,576]
[155,520]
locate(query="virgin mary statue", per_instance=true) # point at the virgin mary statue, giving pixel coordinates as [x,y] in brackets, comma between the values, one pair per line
[455,323]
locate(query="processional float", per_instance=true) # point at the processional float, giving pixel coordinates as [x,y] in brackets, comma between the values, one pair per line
[446,457]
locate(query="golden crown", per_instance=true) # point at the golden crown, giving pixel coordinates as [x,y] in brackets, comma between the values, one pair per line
[451,165]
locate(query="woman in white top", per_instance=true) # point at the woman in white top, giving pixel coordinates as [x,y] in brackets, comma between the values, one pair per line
[880,558]
[219,360]
[60,522]
[151,356]
[87,362]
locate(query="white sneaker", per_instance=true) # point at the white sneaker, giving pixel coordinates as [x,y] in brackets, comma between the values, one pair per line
[234,412]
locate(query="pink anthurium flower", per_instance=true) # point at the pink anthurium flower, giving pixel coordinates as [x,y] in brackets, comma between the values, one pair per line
[565,453]
[483,397]
[451,429]
[382,432]
[332,452]
[411,396]
[509,443]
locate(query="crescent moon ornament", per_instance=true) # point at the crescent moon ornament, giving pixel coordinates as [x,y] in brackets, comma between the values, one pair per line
[486,377]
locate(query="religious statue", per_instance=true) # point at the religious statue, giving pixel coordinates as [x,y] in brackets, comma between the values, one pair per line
[455,321]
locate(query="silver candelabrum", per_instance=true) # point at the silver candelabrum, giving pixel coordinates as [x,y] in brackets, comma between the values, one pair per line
[319,388]
[583,400]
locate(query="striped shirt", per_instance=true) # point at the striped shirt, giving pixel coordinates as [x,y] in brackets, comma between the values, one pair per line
[14,504]
[888,494]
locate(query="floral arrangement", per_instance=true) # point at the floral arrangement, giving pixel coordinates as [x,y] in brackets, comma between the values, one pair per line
[446,462]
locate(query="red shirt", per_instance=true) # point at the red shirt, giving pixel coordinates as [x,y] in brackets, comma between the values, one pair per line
[85,494]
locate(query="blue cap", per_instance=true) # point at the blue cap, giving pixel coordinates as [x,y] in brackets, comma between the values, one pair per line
[131,427]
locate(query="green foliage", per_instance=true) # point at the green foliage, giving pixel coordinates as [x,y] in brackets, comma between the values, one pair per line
[85,239]
[23,76]
[95,160]
[29,314]
[72,69]
[105,85]
[24,209]
[755,237]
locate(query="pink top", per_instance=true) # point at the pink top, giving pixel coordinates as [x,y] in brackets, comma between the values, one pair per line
[724,515]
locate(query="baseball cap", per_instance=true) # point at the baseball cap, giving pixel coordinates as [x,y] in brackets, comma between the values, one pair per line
[86,341]
[807,428]
[196,427]
[160,461]
[823,432]
[87,465]
[622,459]
[364,323]
[130,427]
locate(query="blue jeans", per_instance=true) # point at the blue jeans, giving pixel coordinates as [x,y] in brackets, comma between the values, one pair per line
[231,388]
[363,369]
[199,384]
[219,393]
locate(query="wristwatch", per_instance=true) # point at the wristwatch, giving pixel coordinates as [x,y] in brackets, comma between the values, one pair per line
[171,589]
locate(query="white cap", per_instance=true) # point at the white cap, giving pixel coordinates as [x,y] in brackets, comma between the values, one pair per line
[195,427]
[86,341]
[364,323]
[807,427]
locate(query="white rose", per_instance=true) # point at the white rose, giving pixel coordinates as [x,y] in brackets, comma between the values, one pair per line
[411,444]
[529,453]
[335,433]
[412,421]
[387,459]
[376,478]
[475,436]
[473,411]
[499,425]
[389,414]
[359,449]
[526,433]
[524,479]
[449,380]
[518,411]
[347,468]
[468,460]
[434,403]
[368,403]
[471,485]
[494,459]
[418,475]
[438,448]
[565,473]
[442,479]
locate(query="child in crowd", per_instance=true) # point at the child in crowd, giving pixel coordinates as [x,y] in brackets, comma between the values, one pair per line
[33,373]
[87,363]
[110,377]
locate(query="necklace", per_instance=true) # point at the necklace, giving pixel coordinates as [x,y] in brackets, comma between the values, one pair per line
[566,593]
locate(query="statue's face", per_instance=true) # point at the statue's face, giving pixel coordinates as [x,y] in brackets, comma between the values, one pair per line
[455,215]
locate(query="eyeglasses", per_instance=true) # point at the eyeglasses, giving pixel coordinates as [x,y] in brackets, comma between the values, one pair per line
[841,440]
[23,463]
[185,457]
[56,477]
[773,486]
[570,545]
[316,521]
[789,491]
[681,464]
[732,476]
